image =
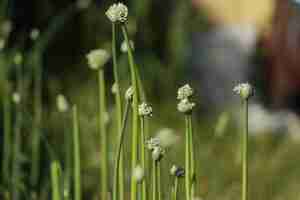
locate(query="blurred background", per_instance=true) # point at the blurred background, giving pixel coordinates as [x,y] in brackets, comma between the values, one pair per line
[213,45]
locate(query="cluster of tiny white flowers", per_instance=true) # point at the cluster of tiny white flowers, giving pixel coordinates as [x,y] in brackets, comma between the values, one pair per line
[124,46]
[16,97]
[185,92]
[97,58]
[185,106]
[167,137]
[244,90]
[129,93]
[34,34]
[177,171]
[61,103]
[145,110]
[138,173]
[118,12]
[153,144]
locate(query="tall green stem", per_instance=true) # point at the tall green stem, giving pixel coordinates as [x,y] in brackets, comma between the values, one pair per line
[143,157]
[245,153]
[154,177]
[135,119]
[118,110]
[7,133]
[158,180]
[103,133]
[175,189]
[68,161]
[187,160]
[76,155]
[37,118]
[192,162]
[55,180]
[118,156]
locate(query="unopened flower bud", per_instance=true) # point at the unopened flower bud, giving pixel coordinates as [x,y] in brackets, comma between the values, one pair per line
[245,90]
[97,58]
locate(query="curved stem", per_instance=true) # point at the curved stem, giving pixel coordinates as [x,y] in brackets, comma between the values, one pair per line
[118,156]
[135,119]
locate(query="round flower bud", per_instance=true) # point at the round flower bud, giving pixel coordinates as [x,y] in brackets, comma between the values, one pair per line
[184,92]
[124,47]
[245,90]
[114,88]
[61,103]
[138,173]
[18,59]
[129,93]
[157,153]
[152,143]
[118,12]
[34,34]
[167,137]
[97,58]
[16,97]
[145,110]
[185,106]
[177,171]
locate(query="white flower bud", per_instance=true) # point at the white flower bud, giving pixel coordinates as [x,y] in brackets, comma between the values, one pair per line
[152,143]
[61,103]
[157,153]
[173,170]
[145,110]
[97,58]
[129,93]
[245,90]
[138,173]
[184,92]
[124,47]
[118,12]
[16,97]
[18,59]
[34,34]
[185,106]
[114,88]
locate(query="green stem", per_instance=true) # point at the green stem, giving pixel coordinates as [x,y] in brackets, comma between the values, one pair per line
[143,157]
[245,153]
[118,156]
[192,163]
[103,134]
[76,155]
[68,162]
[158,180]
[55,180]
[175,188]
[7,134]
[154,174]
[118,111]
[134,84]
[16,165]
[35,154]
[187,160]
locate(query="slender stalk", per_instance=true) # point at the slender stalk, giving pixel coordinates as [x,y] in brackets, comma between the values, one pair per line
[187,160]
[245,154]
[35,154]
[118,110]
[68,162]
[55,180]
[76,155]
[103,133]
[192,163]
[118,156]
[158,180]
[175,189]
[154,174]
[135,119]
[143,157]
[7,134]
[16,168]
